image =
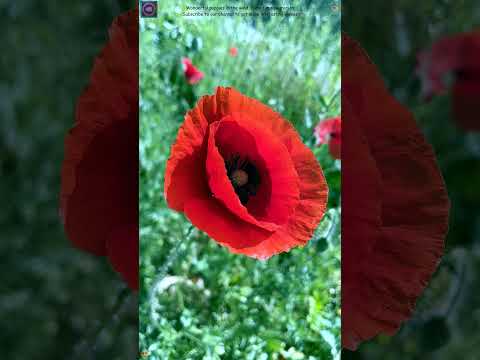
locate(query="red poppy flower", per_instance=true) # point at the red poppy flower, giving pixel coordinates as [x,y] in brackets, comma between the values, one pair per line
[241,173]
[329,132]
[394,205]
[459,57]
[233,51]
[192,74]
[99,190]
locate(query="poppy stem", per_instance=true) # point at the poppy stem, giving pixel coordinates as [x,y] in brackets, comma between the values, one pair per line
[92,341]
[120,302]
[458,290]
[333,226]
[332,100]
[172,256]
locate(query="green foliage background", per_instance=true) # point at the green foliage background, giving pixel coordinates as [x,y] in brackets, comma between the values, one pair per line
[447,320]
[198,301]
[56,302]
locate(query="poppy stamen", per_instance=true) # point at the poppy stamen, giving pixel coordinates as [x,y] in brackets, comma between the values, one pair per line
[244,177]
[239,177]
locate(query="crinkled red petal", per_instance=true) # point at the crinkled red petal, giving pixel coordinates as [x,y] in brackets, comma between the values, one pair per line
[195,76]
[185,176]
[465,100]
[278,191]
[122,250]
[335,148]
[406,248]
[104,189]
[210,215]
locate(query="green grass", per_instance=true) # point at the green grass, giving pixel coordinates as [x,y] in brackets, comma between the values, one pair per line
[197,300]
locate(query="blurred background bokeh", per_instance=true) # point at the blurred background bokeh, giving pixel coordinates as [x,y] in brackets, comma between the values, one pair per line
[56,302]
[198,301]
[446,323]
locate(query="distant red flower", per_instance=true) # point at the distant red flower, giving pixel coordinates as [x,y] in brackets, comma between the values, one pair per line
[233,51]
[394,205]
[457,57]
[99,190]
[192,74]
[241,173]
[329,132]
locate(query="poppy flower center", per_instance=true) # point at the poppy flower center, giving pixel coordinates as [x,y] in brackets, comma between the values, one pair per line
[239,177]
[244,177]
[334,135]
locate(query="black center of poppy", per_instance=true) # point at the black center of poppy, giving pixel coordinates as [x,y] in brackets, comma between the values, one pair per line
[334,135]
[244,177]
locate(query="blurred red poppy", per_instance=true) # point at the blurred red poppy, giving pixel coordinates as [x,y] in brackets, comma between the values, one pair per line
[99,190]
[241,173]
[192,74]
[329,132]
[394,205]
[456,58]
[233,51]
